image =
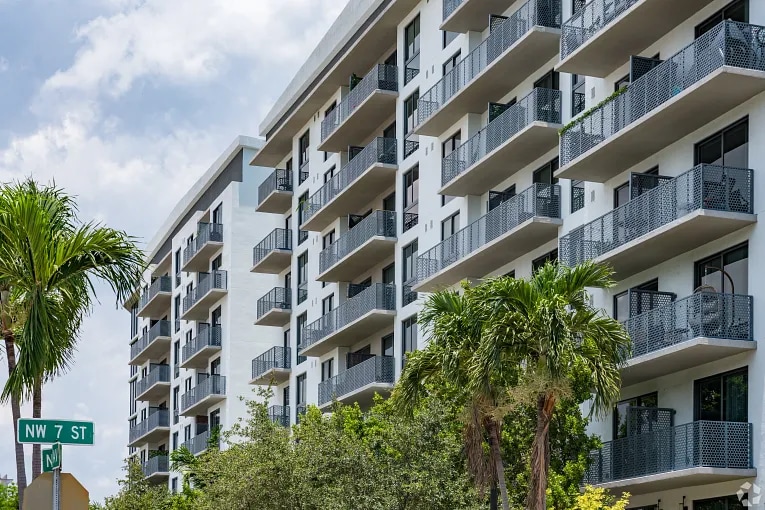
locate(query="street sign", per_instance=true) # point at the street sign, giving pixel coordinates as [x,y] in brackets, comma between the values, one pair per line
[40,431]
[51,458]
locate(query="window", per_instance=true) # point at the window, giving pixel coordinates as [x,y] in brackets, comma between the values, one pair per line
[389,275]
[187,384]
[302,201]
[302,267]
[409,336]
[411,189]
[536,264]
[729,147]
[329,174]
[174,482]
[721,503]
[177,264]
[327,240]
[577,195]
[387,345]
[546,174]
[389,202]
[304,148]
[451,144]
[286,396]
[738,10]
[215,367]
[622,83]
[623,426]
[448,37]
[450,226]
[300,396]
[217,215]
[301,322]
[412,49]
[176,356]
[175,441]
[216,263]
[326,369]
[215,316]
[410,112]
[187,433]
[725,272]
[133,320]
[622,306]
[409,260]
[450,64]
[621,194]
[578,96]
[722,397]
[327,304]
[176,398]
[215,419]
[551,80]
[177,312]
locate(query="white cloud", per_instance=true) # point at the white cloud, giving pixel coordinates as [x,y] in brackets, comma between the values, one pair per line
[4,64]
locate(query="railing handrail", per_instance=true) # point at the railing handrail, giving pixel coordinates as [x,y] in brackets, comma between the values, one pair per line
[682,70]
[275,357]
[378,223]
[159,373]
[381,77]
[217,279]
[211,385]
[160,284]
[581,34]
[207,336]
[539,105]
[527,204]
[449,7]
[278,297]
[277,239]
[380,150]
[159,418]
[377,369]
[280,179]
[474,63]
[160,328]
[156,464]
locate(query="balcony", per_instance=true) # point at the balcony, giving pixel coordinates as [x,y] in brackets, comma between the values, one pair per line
[199,443]
[366,175]
[362,110]
[154,429]
[156,385]
[280,415]
[274,253]
[197,352]
[359,383]
[676,216]
[272,367]
[514,50]
[698,329]
[209,239]
[517,226]
[155,301]
[368,243]
[275,192]
[358,317]
[511,141]
[605,33]
[208,392]
[156,468]
[696,453]
[471,15]
[275,308]
[153,344]
[210,288]
[719,71]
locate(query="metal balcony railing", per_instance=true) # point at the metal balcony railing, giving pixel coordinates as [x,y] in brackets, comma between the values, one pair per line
[156,465]
[714,444]
[211,385]
[280,180]
[161,284]
[159,418]
[381,150]
[410,147]
[539,105]
[275,357]
[198,443]
[377,297]
[450,6]
[410,221]
[537,200]
[382,77]
[278,239]
[708,187]
[704,314]
[408,295]
[644,420]
[157,373]
[588,21]
[728,44]
[160,328]
[207,336]
[378,369]
[278,297]
[206,232]
[279,415]
[302,292]
[533,13]
[641,301]
[379,223]
[217,279]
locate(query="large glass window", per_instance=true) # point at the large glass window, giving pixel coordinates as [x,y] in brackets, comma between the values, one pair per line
[622,310]
[578,96]
[300,395]
[411,190]
[410,112]
[412,49]
[451,144]
[723,397]
[725,272]
[536,264]
[546,174]
[577,195]
[327,368]
[729,147]
[302,266]
[551,80]
[387,345]
[451,63]
[624,424]
[450,226]
[409,335]
[304,148]
[738,10]
[409,260]
[448,37]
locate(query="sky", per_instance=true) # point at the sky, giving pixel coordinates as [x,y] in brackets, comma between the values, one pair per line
[125,103]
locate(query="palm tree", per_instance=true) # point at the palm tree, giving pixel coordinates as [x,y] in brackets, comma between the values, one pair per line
[49,263]
[455,322]
[547,328]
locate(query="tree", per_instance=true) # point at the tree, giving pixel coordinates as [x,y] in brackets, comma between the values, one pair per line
[49,262]
[9,497]
[136,493]
[599,499]
[547,330]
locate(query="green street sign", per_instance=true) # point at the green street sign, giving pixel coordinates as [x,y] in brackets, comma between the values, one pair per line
[40,431]
[51,458]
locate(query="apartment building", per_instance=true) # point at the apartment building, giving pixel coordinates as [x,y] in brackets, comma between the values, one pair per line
[425,142]
[193,332]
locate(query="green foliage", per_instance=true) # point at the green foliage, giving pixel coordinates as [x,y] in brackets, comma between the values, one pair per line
[588,113]
[9,497]
[599,499]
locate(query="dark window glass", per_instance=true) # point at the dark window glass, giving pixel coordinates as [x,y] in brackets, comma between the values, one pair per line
[621,194]
[409,335]
[326,369]
[577,195]
[622,303]
[327,304]
[389,202]
[409,260]
[550,80]
[721,503]
[448,37]
[621,83]
[410,112]
[729,147]
[726,272]
[327,240]
[578,97]
[546,174]
[301,389]
[411,189]
[723,397]
[544,259]
[451,144]
[389,274]
[450,226]
[387,345]
[412,49]
[738,10]
[302,267]
[622,425]
[451,63]
[304,147]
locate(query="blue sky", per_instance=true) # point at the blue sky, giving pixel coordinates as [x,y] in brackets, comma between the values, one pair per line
[125,103]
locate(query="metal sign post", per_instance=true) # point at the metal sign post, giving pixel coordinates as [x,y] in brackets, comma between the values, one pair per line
[57,488]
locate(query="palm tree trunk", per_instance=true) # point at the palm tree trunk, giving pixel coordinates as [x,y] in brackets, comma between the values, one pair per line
[540,454]
[36,413]
[499,466]
[21,469]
